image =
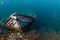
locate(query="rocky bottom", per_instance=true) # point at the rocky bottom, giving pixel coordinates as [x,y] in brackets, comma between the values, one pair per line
[32,35]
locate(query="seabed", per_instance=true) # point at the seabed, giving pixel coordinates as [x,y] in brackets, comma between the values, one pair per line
[16,32]
[31,35]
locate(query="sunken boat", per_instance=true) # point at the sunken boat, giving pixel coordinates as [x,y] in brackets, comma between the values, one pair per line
[19,22]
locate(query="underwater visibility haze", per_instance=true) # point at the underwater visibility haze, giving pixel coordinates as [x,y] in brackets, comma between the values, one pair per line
[46,12]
